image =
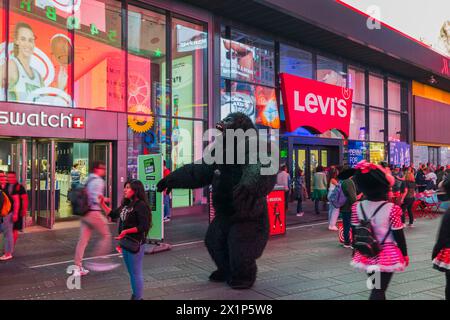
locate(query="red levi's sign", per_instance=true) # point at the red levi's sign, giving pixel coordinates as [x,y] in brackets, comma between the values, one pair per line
[315,105]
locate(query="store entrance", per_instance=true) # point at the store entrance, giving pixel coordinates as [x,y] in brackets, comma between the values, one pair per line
[44,167]
[308,158]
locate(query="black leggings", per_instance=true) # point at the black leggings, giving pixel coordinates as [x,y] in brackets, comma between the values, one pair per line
[447,285]
[380,293]
[407,207]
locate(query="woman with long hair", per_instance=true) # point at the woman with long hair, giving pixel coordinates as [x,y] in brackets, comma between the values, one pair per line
[408,198]
[22,77]
[299,190]
[333,213]
[134,225]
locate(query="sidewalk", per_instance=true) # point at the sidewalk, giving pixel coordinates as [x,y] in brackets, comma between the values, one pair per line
[306,263]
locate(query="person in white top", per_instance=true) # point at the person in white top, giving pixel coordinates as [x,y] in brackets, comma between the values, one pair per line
[22,78]
[430,178]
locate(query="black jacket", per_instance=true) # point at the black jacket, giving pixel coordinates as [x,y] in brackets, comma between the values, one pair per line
[136,214]
[443,240]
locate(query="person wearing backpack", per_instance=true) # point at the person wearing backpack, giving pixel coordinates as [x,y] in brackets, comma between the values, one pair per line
[135,222]
[347,192]
[94,220]
[378,238]
[6,220]
[441,250]
[299,190]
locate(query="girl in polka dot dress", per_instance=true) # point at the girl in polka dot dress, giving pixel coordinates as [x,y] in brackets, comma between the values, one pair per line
[386,220]
[441,250]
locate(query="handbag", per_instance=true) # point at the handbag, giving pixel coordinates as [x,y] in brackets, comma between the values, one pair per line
[130,244]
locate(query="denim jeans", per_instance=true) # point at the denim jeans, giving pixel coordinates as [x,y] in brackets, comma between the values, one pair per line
[346,221]
[299,205]
[133,262]
[7,229]
[333,215]
[166,206]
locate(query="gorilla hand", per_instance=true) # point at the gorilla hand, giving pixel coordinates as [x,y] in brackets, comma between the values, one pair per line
[163,186]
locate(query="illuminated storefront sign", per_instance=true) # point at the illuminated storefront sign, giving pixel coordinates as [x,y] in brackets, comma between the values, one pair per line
[315,105]
[41,119]
[376,151]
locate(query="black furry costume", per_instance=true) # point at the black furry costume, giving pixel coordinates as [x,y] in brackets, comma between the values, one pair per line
[238,234]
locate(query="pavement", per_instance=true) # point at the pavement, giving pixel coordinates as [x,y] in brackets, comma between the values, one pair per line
[306,263]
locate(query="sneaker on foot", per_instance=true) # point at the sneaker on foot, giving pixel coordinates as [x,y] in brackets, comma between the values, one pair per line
[80,271]
[300,214]
[348,246]
[166,219]
[411,225]
[95,266]
[333,228]
[6,257]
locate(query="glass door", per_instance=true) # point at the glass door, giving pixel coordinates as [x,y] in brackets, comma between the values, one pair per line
[43,189]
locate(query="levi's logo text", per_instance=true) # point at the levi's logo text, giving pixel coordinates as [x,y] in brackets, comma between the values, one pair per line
[315,105]
[41,119]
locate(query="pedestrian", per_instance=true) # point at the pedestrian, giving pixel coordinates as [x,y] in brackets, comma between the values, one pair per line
[299,190]
[319,186]
[440,173]
[333,213]
[19,197]
[420,179]
[284,180]
[349,190]
[385,218]
[408,197]
[75,176]
[6,222]
[94,220]
[430,179]
[441,250]
[166,196]
[134,225]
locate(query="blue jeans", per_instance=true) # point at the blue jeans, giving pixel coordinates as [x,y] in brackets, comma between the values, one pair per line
[166,206]
[133,262]
[7,229]
[346,221]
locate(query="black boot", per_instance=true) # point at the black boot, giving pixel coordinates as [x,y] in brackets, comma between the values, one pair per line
[240,284]
[218,276]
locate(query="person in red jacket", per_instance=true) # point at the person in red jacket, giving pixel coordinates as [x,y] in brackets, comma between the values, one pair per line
[166,194]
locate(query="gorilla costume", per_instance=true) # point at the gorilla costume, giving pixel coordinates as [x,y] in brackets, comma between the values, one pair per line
[239,232]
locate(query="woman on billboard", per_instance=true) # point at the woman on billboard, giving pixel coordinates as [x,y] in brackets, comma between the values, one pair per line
[22,78]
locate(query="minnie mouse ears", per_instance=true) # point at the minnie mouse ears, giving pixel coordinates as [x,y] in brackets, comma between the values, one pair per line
[379,173]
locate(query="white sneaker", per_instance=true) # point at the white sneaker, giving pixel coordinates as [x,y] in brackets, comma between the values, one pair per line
[95,266]
[166,219]
[80,271]
[300,214]
[334,228]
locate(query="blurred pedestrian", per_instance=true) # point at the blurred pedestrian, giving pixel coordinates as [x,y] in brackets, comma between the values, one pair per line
[299,190]
[319,186]
[333,213]
[408,197]
[349,190]
[166,196]
[19,197]
[284,180]
[6,222]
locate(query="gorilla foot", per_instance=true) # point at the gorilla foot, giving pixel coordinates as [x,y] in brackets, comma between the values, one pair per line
[240,284]
[218,276]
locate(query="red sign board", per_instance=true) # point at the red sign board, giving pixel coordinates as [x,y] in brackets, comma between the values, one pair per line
[277,213]
[314,105]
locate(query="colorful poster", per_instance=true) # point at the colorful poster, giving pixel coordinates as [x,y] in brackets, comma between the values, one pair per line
[150,171]
[357,151]
[376,151]
[266,107]
[237,60]
[276,212]
[242,99]
[399,154]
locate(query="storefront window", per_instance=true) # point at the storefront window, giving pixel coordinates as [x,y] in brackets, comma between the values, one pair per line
[394,95]
[189,69]
[2,53]
[356,81]
[295,61]
[395,128]
[376,118]
[420,155]
[376,91]
[99,57]
[445,156]
[247,58]
[358,123]
[40,52]
[187,146]
[330,71]
[146,57]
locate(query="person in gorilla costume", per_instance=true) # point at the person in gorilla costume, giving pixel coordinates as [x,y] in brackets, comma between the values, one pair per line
[240,230]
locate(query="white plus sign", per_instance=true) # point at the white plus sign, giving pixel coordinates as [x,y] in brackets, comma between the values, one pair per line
[78,122]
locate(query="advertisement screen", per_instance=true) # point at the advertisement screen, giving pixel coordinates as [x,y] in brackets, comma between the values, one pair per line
[357,151]
[266,107]
[376,151]
[237,60]
[399,154]
[241,99]
[425,22]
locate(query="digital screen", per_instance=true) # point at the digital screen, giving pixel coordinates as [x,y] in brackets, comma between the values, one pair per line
[242,99]
[356,152]
[237,60]
[266,107]
[376,151]
[399,153]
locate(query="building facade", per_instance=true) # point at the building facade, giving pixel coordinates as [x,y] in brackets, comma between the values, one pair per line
[110,80]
